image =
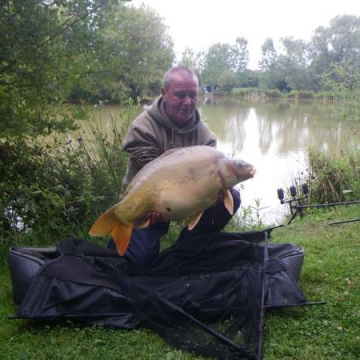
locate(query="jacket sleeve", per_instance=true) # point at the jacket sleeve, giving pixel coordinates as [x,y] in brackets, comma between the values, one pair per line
[142,144]
[207,137]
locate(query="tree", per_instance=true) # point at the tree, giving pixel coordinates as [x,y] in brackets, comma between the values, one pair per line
[269,55]
[270,74]
[136,51]
[192,60]
[294,64]
[216,61]
[337,46]
[50,52]
[239,56]
[44,47]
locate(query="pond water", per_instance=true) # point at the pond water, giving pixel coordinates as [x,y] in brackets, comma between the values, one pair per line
[274,137]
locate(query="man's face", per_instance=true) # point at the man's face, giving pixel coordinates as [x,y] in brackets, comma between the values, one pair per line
[181,98]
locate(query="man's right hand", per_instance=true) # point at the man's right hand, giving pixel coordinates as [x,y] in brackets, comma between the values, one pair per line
[151,218]
[154,217]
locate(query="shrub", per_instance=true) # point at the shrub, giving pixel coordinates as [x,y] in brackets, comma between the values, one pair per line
[305,94]
[293,94]
[54,188]
[273,94]
[332,177]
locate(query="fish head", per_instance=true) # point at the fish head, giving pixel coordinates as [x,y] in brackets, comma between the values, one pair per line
[234,171]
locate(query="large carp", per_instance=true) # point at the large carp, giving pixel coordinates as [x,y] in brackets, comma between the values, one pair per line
[179,184]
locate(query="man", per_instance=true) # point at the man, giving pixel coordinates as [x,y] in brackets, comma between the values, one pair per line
[172,121]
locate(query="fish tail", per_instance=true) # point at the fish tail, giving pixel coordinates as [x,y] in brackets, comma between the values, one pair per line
[108,224]
[105,223]
[121,235]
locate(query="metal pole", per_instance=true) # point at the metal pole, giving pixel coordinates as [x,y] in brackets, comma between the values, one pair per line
[262,299]
[343,221]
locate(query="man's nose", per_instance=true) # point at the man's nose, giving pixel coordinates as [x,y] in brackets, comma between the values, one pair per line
[187,100]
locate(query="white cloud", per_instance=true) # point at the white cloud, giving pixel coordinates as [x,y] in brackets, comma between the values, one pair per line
[199,24]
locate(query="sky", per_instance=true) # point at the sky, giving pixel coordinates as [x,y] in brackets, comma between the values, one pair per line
[198,24]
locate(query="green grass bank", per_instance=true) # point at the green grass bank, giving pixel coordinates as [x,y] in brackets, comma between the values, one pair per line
[331,273]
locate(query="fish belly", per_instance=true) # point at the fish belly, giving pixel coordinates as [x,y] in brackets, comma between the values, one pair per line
[181,203]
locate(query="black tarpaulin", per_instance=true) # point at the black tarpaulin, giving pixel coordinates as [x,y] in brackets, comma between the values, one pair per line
[204,294]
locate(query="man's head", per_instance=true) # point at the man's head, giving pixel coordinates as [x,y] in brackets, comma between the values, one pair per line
[180,92]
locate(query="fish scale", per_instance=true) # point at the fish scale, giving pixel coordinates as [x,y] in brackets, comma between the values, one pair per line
[180,184]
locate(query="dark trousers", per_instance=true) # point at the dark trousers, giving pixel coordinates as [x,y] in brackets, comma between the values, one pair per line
[144,246]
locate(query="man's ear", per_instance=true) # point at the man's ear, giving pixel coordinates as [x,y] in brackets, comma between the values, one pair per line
[162,91]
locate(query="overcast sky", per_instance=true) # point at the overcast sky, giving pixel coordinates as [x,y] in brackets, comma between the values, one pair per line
[199,24]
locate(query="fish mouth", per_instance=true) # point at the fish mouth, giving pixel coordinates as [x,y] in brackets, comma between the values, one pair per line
[252,171]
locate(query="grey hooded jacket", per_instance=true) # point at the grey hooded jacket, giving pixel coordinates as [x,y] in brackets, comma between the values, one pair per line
[152,133]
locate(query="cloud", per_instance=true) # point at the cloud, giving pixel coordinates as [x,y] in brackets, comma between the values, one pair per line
[199,24]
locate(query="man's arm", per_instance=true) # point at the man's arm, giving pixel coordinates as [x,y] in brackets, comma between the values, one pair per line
[142,145]
[207,136]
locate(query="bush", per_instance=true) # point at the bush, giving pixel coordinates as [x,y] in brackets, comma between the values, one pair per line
[59,187]
[305,94]
[245,92]
[293,94]
[333,178]
[273,94]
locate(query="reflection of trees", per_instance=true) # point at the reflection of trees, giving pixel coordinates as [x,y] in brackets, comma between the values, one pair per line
[292,126]
[278,126]
[226,120]
[282,126]
[235,131]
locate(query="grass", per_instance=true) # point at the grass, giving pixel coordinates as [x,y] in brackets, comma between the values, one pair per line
[331,273]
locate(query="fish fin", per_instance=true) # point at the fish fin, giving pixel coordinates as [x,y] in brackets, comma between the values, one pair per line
[121,235]
[142,224]
[229,201]
[105,223]
[108,224]
[193,220]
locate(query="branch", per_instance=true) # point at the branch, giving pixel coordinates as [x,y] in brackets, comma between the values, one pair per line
[57,31]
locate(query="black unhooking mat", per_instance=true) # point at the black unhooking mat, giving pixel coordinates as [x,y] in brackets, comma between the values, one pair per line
[204,294]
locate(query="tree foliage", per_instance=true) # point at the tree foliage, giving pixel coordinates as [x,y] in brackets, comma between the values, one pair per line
[61,51]
[306,65]
[225,64]
[73,50]
[53,52]
[193,60]
[135,52]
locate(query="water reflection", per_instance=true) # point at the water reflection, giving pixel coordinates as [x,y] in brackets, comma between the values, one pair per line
[273,136]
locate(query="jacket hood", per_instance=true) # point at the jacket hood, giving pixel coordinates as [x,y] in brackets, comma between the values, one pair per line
[158,113]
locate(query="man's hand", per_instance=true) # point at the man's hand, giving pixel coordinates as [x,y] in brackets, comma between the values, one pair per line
[154,217]
[151,218]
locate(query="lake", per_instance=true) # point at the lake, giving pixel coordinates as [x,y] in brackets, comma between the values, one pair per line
[274,137]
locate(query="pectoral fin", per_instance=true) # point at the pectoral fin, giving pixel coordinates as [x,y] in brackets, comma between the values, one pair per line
[229,201]
[142,224]
[121,235]
[193,221]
